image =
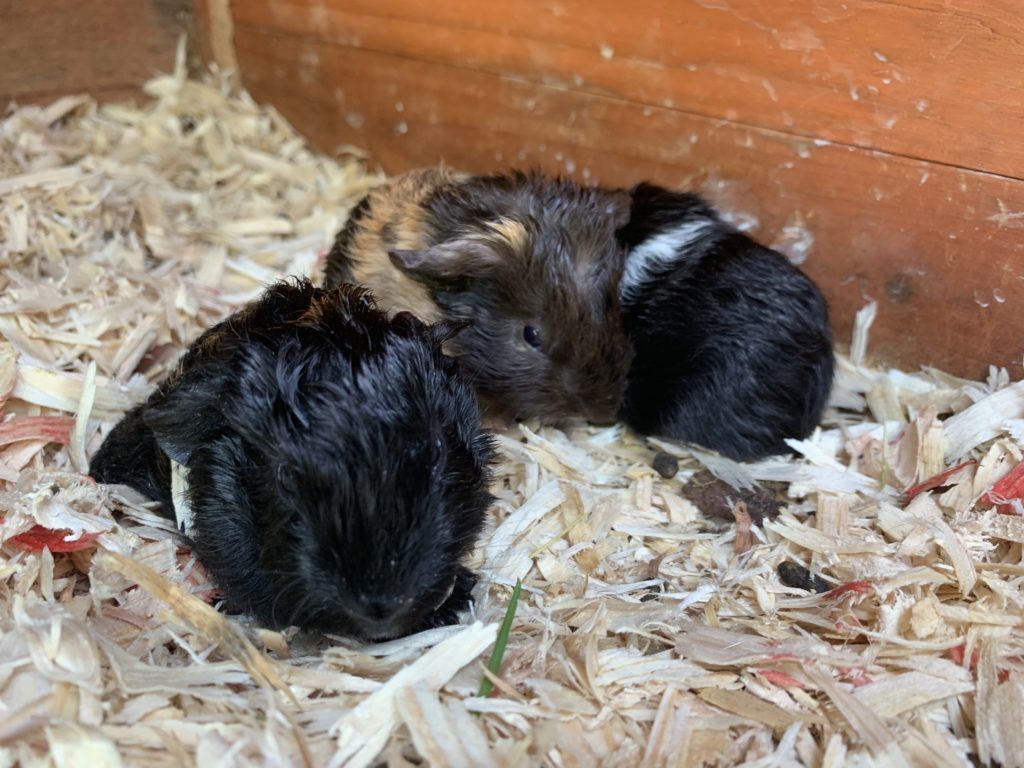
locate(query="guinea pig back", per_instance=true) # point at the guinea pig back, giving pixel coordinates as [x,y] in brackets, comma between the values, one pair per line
[392,216]
[733,348]
[530,262]
[334,462]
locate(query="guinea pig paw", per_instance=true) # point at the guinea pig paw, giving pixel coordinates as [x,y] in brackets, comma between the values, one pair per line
[458,602]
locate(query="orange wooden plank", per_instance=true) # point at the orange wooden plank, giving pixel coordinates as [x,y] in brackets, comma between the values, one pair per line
[940,248]
[106,47]
[933,79]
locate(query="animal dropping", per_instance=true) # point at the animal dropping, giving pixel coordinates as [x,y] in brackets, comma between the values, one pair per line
[665,464]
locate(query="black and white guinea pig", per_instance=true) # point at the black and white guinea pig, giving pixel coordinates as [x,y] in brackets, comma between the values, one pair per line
[327,463]
[530,261]
[732,344]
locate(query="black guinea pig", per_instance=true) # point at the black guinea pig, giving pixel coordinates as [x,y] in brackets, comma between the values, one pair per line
[531,261]
[732,345]
[327,463]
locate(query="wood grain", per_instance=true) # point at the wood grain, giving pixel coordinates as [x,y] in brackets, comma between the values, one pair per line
[939,247]
[933,79]
[108,48]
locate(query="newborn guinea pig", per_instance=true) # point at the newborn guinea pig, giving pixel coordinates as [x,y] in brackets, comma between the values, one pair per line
[531,262]
[326,463]
[733,349]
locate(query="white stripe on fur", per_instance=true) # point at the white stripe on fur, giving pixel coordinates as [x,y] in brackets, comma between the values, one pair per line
[658,252]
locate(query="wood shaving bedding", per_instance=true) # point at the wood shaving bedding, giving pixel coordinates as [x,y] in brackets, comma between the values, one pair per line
[649,630]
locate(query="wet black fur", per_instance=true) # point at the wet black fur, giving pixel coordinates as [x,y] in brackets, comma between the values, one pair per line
[733,348]
[563,282]
[337,469]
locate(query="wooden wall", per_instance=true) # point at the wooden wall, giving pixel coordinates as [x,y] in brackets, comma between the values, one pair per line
[108,48]
[881,140]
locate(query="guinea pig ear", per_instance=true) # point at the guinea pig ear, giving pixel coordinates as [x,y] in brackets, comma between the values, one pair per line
[450,260]
[446,330]
[188,415]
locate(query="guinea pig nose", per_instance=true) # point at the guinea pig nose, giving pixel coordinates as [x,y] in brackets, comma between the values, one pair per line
[377,607]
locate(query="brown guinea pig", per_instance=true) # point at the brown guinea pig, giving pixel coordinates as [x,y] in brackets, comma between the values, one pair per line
[531,262]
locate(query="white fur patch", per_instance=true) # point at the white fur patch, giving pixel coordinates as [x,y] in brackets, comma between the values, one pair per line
[658,252]
[183,514]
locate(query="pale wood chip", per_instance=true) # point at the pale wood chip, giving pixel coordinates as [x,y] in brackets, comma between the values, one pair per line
[982,421]
[364,731]
[204,619]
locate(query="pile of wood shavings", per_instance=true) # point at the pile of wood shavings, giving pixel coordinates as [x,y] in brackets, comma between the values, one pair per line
[653,629]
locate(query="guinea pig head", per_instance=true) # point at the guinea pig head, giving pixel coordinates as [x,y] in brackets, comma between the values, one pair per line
[378,470]
[538,284]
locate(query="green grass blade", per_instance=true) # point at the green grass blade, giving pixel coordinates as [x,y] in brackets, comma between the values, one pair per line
[494,665]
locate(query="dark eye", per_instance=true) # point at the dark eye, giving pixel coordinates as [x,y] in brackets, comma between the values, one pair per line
[532,336]
[287,478]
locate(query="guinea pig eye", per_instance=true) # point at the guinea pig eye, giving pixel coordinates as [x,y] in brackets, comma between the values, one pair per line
[532,336]
[286,477]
